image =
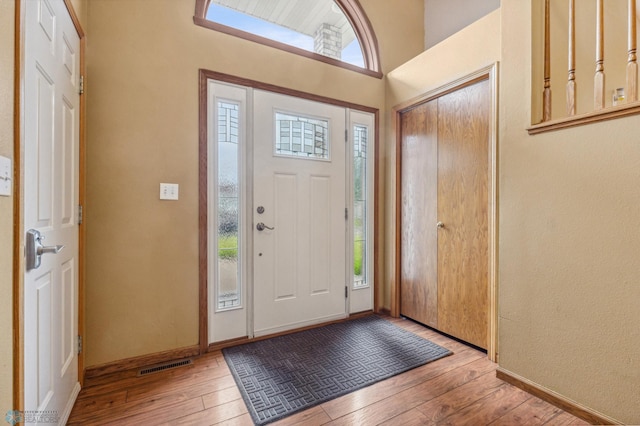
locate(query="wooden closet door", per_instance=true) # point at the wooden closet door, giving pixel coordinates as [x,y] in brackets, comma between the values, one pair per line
[463,176]
[419,174]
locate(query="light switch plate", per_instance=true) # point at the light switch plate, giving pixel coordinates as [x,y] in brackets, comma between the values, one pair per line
[5,176]
[169,191]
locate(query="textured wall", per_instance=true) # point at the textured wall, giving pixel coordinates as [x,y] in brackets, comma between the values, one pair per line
[142,101]
[569,244]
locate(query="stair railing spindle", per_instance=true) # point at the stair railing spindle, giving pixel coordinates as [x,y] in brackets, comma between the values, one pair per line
[571,83]
[598,85]
[632,64]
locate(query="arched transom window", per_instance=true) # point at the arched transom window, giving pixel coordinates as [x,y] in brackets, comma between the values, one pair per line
[336,32]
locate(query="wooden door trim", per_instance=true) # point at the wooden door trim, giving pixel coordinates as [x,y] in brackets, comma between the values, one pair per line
[81,183]
[491,73]
[18,262]
[18,197]
[206,75]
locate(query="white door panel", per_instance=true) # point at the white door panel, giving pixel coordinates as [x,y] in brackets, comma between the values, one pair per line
[299,266]
[51,143]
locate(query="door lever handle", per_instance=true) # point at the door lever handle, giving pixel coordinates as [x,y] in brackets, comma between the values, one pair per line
[49,249]
[261,227]
[34,249]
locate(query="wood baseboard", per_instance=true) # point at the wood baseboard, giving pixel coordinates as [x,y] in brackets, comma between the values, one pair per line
[140,361]
[384,311]
[554,398]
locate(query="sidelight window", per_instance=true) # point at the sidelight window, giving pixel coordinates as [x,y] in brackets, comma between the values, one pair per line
[228,203]
[360,225]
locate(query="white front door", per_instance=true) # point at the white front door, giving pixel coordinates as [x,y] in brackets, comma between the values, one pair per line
[51,141]
[299,190]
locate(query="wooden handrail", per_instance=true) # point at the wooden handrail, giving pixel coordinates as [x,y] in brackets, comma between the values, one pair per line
[598,83]
[632,64]
[571,83]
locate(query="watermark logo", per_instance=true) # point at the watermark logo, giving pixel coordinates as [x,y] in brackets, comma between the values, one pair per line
[13,417]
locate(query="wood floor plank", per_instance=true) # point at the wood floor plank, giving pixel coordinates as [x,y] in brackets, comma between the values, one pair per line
[417,395]
[451,402]
[220,397]
[191,386]
[166,413]
[311,417]
[243,420]
[565,419]
[408,418]
[381,390]
[211,416]
[459,389]
[489,408]
[533,412]
[99,402]
[127,409]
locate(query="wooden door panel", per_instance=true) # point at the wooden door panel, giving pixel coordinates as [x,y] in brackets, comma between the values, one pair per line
[463,170]
[419,283]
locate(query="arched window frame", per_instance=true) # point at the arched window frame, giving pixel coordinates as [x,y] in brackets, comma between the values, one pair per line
[352,10]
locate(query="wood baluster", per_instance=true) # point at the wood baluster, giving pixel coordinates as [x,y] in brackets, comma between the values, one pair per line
[632,64]
[571,83]
[598,85]
[546,96]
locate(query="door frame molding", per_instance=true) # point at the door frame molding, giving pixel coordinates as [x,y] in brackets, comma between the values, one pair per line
[18,200]
[491,73]
[204,76]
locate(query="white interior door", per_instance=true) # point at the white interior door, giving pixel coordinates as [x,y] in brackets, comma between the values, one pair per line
[51,141]
[299,190]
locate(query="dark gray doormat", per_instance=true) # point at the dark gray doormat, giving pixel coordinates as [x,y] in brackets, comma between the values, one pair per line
[286,374]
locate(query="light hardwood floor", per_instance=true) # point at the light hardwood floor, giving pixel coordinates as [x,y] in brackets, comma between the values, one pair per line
[461,389]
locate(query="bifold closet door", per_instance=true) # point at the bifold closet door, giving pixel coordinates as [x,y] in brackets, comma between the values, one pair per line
[463,245]
[419,240]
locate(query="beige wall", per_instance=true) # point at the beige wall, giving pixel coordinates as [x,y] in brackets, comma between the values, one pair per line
[6,206]
[569,244]
[442,19]
[142,100]
[467,51]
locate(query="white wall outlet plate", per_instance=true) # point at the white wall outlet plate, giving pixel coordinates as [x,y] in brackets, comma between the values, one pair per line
[169,191]
[5,176]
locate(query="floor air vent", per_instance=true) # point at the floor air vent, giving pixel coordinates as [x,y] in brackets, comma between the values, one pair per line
[165,366]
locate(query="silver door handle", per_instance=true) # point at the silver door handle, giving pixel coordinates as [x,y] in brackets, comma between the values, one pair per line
[261,227]
[34,249]
[49,249]
[440,225]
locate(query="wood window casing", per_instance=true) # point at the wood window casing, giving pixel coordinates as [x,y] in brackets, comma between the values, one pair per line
[352,10]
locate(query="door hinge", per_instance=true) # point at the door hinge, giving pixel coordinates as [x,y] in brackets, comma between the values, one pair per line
[346,213]
[79,344]
[346,291]
[82,84]
[80,215]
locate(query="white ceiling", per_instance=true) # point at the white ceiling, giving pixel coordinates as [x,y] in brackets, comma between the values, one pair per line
[303,16]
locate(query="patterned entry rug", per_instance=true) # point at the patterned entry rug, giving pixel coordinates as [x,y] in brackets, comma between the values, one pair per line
[286,374]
